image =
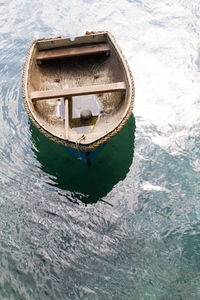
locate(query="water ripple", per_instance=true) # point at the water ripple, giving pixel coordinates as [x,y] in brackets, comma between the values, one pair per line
[127,227]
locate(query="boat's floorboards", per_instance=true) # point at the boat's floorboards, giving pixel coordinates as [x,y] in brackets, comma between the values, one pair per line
[79,72]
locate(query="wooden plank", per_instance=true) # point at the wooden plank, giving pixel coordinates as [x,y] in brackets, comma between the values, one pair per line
[77,91]
[78,122]
[72,51]
[66,119]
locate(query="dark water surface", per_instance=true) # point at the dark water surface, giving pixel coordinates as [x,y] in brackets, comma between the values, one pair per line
[128,227]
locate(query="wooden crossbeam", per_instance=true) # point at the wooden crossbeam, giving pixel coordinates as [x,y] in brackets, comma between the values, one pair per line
[77,91]
[72,51]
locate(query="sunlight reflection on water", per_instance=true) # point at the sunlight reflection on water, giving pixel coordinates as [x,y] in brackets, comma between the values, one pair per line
[142,240]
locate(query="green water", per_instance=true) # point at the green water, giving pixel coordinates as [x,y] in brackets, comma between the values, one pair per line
[127,227]
[87,183]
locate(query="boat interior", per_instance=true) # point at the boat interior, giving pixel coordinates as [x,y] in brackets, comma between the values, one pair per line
[77,88]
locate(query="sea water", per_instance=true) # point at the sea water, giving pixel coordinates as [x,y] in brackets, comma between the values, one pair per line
[128,226]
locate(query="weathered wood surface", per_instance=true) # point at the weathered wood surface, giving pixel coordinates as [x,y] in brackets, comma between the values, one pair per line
[72,51]
[77,91]
[66,119]
[78,122]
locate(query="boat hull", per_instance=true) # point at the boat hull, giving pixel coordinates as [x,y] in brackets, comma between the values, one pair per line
[108,123]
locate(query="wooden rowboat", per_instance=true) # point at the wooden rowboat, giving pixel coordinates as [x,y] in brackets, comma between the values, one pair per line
[80,92]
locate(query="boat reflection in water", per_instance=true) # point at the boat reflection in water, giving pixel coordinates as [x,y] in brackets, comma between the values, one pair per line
[87,183]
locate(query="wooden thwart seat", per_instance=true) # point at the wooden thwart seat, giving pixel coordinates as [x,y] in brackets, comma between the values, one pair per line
[77,91]
[72,51]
